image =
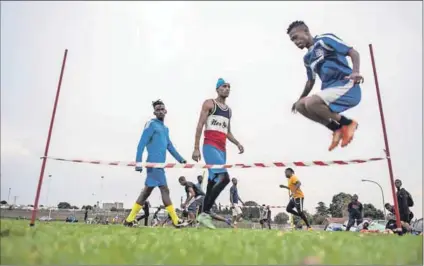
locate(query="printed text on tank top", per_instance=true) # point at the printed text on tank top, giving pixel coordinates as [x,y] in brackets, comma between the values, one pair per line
[216,127]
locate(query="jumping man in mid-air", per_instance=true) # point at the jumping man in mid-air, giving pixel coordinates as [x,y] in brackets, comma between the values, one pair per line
[156,138]
[215,116]
[340,90]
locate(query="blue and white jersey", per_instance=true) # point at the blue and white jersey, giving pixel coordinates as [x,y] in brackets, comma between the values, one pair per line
[327,58]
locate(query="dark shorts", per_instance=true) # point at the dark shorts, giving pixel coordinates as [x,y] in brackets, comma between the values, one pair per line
[192,208]
[296,203]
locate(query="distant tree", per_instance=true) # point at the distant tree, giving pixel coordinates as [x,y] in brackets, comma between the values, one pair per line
[321,213]
[75,207]
[338,206]
[318,219]
[64,205]
[86,207]
[41,206]
[321,209]
[30,205]
[281,218]
[3,202]
[372,212]
[252,210]
[297,220]
[113,209]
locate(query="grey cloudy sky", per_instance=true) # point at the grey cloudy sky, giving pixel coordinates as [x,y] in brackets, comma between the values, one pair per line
[124,55]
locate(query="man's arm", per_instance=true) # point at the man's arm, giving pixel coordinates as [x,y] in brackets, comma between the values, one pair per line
[173,151]
[354,55]
[231,196]
[308,87]
[231,137]
[240,200]
[145,138]
[206,107]
[191,195]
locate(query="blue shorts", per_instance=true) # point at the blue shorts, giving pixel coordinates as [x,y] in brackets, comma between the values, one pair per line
[341,95]
[155,177]
[212,155]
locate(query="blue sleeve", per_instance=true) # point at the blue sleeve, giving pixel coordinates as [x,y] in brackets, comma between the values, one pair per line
[145,138]
[172,150]
[333,43]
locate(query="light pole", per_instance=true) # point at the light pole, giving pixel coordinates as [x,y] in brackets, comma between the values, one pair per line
[101,189]
[382,194]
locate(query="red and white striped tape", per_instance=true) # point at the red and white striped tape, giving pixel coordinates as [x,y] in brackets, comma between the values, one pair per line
[271,206]
[216,166]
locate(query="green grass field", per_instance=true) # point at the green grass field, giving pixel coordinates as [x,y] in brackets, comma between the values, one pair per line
[60,243]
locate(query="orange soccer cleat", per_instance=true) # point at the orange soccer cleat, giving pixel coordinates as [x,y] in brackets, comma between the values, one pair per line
[337,136]
[348,132]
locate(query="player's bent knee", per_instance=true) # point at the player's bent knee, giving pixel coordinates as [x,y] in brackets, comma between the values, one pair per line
[300,106]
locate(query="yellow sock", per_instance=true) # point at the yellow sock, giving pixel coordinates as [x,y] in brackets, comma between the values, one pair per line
[135,209]
[172,213]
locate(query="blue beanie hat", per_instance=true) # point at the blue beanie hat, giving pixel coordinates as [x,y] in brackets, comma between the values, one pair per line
[220,82]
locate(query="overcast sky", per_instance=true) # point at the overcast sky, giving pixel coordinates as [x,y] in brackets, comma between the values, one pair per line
[124,55]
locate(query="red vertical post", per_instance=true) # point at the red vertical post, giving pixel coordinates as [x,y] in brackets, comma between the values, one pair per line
[386,141]
[46,151]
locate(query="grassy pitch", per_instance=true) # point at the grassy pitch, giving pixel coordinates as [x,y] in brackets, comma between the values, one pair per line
[60,243]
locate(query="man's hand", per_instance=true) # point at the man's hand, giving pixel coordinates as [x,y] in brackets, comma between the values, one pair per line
[241,148]
[283,186]
[293,109]
[183,206]
[139,169]
[196,155]
[356,77]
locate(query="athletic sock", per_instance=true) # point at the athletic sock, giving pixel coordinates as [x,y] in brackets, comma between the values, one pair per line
[333,125]
[345,121]
[135,209]
[173,214]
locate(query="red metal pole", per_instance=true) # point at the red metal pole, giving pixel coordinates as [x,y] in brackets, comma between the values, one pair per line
[386,141]
[46,151]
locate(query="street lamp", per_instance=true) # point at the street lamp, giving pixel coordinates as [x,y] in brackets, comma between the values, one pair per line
[382,194]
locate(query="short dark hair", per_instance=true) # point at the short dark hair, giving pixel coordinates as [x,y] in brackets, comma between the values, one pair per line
[182,178]
[295,24]
[157,102]
[290,169]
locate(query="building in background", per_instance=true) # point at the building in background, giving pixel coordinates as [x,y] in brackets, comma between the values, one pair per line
[117,205]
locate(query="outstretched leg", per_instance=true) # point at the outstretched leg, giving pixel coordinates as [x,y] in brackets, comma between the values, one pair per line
[144,195]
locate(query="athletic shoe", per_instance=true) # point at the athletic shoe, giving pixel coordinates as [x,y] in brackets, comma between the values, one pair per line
[348,132]
[130,224]
[337,137]
[180,224]
[205,220]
